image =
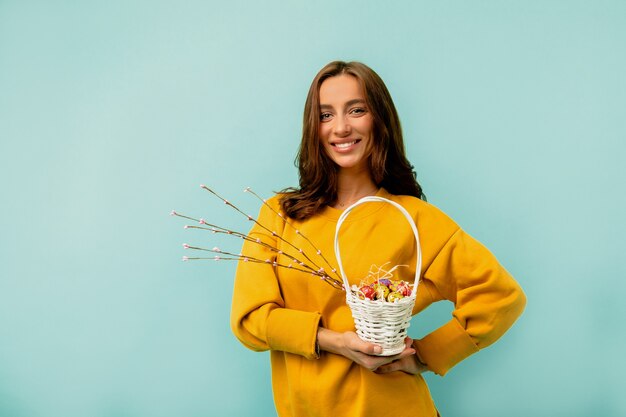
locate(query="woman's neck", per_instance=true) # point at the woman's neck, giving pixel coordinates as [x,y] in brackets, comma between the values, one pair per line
[352,187]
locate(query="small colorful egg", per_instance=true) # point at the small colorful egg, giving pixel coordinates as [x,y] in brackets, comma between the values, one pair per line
[382,291]
[367,291]
[384,282]
[394,296]
[404,288]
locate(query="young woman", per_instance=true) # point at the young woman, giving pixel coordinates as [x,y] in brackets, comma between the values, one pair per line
[352,147]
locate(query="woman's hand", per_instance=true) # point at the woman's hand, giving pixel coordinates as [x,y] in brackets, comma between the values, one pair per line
[409,364]
[349,345]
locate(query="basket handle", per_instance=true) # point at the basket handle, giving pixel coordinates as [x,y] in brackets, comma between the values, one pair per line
[368,199]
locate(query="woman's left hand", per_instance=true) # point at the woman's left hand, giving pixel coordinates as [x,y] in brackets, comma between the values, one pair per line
[409,364]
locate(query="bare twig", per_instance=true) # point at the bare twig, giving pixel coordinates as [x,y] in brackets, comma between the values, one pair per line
[309,267]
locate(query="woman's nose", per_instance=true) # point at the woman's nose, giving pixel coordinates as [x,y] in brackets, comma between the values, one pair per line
[342,126]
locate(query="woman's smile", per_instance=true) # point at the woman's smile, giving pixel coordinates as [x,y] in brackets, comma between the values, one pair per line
[345,146]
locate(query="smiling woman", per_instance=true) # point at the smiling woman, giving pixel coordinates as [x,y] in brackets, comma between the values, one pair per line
[352,147]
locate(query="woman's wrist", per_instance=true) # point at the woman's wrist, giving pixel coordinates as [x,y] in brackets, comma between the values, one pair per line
[327,340]
[418,359]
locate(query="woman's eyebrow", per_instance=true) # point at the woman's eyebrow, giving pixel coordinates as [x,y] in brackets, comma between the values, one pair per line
[348,104]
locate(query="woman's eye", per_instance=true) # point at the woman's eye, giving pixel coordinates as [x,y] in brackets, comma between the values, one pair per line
[325,116]
[357,110]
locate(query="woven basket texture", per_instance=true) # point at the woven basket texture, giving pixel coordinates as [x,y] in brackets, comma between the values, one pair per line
[377,321]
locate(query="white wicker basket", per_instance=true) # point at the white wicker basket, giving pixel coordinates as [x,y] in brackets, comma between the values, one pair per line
[378,321]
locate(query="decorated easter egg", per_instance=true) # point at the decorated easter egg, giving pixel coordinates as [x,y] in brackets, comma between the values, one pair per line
[367,291]
[394,296]
[384,282]
[404,288]
[382,291]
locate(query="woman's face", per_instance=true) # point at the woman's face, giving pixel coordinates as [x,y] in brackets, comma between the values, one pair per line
[346,123]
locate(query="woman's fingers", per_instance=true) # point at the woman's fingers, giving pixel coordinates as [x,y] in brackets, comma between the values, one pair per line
[408,364]
[355,343]
[366,355]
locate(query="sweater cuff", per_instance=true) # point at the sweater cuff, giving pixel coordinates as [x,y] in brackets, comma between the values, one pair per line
[293,331]
[445,347]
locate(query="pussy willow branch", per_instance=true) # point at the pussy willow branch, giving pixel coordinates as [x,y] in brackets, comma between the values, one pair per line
[315,270]
[273,233]
[228,256]
[319,252]
[218,229]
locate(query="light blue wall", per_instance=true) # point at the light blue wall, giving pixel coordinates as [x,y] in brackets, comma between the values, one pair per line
[112,113]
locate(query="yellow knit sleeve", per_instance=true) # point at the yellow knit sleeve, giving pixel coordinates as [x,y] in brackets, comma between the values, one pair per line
[486,297]
[259,318]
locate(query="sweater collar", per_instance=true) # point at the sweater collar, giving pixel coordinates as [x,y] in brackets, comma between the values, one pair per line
[361,212]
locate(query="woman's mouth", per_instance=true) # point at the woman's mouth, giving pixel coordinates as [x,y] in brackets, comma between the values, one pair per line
[345,145]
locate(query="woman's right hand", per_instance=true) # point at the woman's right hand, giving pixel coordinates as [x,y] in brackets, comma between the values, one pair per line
[349,345]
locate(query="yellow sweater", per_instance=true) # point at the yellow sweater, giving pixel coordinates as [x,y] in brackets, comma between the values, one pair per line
[280,309]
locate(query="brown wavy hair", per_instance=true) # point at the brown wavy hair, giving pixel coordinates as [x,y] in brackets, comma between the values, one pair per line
[387,161]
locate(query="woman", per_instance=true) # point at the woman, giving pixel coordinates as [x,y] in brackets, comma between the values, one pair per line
[352,147]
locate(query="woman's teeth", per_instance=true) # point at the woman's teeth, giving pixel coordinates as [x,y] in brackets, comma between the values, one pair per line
[345,145]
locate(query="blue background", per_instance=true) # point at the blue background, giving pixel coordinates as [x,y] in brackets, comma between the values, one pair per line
[112,113]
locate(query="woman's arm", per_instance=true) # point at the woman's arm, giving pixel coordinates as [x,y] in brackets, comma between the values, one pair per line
[259,318]
[486,297]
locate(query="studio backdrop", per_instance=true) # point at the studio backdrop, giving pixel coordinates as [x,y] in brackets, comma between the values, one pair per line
[113,113]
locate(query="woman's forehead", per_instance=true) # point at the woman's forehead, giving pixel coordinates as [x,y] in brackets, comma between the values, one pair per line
[340,89]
